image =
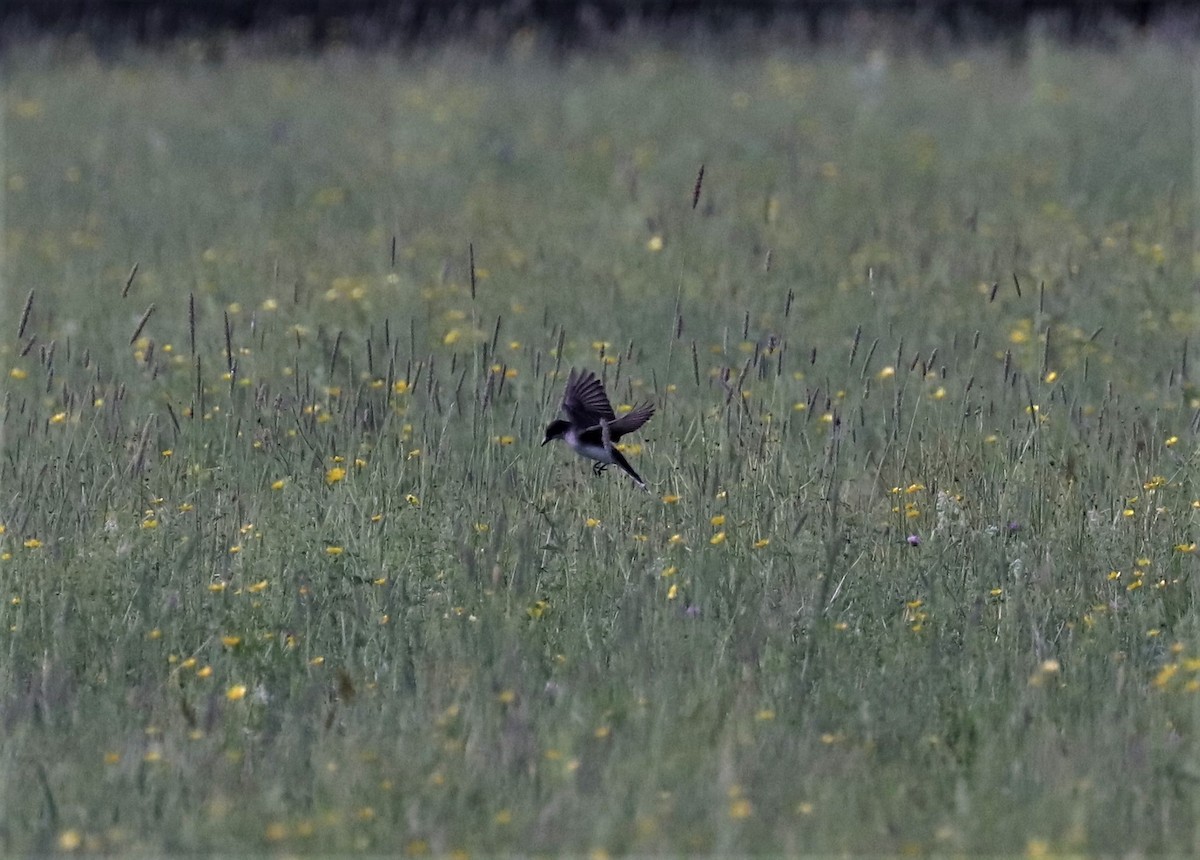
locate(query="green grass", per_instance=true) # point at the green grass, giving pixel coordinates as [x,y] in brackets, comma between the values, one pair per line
[468,643]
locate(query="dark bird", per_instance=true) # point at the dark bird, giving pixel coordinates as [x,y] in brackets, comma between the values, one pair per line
[591,427]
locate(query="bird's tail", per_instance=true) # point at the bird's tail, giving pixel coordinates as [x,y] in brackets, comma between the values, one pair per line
[620,460]
[618,457]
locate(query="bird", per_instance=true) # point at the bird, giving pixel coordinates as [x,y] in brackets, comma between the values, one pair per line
[591,428]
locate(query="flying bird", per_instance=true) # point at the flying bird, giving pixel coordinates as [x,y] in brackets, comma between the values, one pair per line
[591,428]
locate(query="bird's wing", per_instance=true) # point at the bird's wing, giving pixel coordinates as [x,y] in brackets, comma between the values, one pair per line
[631,421]
[593,435]
[584,401]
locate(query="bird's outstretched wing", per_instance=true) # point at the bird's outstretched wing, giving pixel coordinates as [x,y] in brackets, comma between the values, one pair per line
[585,402]
[631,421]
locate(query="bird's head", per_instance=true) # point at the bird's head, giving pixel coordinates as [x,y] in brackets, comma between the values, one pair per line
[556,430]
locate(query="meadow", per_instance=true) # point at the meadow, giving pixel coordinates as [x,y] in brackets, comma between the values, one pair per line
[284,568]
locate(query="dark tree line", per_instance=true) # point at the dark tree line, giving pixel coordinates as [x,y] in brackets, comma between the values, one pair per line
[364,20]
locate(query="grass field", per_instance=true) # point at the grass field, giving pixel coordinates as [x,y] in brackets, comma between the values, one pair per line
[284,568]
